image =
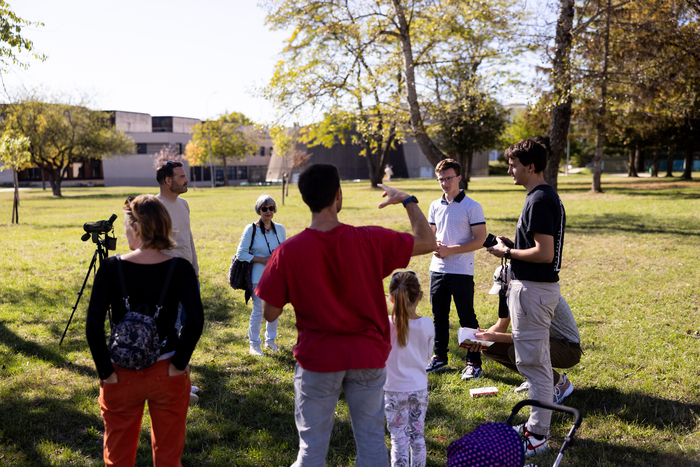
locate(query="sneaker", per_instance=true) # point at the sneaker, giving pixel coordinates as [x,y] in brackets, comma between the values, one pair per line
[472,371]
[255,350]
[522,429]
[272,346]
[531,445]
[523,387]
[193,398]
[194,389]
[436,364]
[563,390]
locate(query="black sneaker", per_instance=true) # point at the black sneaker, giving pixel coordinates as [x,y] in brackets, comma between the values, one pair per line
[436,364]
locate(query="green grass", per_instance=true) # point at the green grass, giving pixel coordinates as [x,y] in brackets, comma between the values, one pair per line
[631,274]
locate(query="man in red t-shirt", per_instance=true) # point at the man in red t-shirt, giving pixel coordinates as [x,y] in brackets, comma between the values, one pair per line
[332,274]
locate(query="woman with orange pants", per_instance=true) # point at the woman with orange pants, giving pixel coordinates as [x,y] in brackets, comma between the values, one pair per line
[148,279]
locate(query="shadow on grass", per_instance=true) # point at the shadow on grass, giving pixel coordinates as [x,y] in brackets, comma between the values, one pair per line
[27,424]
[32,349]
[637,408]
[608,223]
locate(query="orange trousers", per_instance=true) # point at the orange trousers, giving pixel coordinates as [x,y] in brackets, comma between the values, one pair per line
[122,407]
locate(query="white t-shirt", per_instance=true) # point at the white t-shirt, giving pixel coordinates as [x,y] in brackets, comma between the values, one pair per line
[405,367]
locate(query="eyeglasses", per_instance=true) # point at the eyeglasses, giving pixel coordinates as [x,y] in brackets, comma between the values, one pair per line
[265,208]
[170,162]
[446,179]
[129,199]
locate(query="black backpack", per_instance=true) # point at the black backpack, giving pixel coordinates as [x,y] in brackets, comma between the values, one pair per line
[134,341]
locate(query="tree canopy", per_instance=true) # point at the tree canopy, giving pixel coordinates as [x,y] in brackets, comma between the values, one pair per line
[231,135]
[61,134]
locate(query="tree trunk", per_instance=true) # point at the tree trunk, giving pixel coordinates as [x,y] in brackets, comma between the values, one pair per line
[15,201]
[43,178]
[669,162]
[639,160]
[655,163]
[560,118]
[464,160]
[688,162]
[55,181]
[600,125]
[631,169]
[429,149]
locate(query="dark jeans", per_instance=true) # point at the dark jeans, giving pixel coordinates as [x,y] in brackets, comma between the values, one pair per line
[443,289]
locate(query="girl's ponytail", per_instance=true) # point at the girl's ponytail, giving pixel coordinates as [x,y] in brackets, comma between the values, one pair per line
[405,290]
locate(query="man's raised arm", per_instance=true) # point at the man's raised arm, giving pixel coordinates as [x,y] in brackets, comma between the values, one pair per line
[423,235]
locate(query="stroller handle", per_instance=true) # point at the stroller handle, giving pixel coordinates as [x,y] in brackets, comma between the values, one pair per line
[558,408]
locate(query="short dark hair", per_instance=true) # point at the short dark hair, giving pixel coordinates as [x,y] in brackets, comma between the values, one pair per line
[166,170]
[318,185]
[530,151]
[447,164]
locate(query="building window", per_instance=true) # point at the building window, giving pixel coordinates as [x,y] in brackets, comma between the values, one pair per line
[141,148]
[242,172]
[270,150]
[231,170]
[262,150]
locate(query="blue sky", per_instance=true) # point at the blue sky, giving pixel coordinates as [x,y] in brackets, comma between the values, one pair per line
[175,57]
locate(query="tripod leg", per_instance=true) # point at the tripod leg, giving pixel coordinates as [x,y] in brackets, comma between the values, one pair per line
[80,294]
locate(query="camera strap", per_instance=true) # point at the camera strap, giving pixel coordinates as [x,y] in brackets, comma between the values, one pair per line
[503,311]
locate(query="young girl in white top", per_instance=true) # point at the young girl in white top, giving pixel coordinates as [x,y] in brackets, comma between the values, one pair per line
[406,388]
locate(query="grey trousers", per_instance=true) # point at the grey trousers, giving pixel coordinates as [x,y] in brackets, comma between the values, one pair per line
[531,306]
[315,397]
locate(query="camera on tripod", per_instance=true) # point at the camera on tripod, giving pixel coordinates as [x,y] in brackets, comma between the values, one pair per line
[95,229]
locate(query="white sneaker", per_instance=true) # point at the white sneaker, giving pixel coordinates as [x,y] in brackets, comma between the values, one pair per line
[194,389]
[563,389]
[193,399]
[255,350]
[523,387]
[272,346]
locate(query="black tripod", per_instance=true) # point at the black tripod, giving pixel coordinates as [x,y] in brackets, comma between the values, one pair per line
[101,252]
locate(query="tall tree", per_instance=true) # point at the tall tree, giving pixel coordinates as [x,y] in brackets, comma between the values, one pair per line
[62,134]
[229,136]
[14,155]
[370,61]
[467,122]
[12,43]
[560,117]
[440,37]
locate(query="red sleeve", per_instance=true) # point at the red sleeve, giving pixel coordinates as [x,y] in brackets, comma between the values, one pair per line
[396,250]
[273,287]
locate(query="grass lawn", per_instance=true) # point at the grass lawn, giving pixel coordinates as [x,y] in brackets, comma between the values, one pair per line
[631,274]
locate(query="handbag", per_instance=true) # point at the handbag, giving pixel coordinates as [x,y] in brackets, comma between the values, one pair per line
[134,341]
[240,273]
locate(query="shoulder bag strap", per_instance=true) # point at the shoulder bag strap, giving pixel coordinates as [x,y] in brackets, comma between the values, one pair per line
[123,283]
[252,238]
[165,287]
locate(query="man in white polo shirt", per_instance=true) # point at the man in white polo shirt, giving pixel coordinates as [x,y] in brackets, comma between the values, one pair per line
[460,229]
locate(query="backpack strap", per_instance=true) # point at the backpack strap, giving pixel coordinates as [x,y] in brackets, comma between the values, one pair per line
[123,283]
[165,287]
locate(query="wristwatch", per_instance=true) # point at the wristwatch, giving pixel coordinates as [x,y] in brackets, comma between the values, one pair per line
[410,199]
[507,255]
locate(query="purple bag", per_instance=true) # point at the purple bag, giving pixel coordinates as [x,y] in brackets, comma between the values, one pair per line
[489,445]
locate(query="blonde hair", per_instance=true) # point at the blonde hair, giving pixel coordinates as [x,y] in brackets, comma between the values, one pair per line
[405,291]
[155,225]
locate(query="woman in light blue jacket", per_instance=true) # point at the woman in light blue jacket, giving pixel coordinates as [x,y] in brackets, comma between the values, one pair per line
[258,242]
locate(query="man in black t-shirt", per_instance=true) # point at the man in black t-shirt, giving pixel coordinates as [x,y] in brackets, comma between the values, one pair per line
[534,289]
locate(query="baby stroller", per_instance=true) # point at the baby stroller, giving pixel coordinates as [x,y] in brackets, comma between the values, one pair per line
[498,445]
